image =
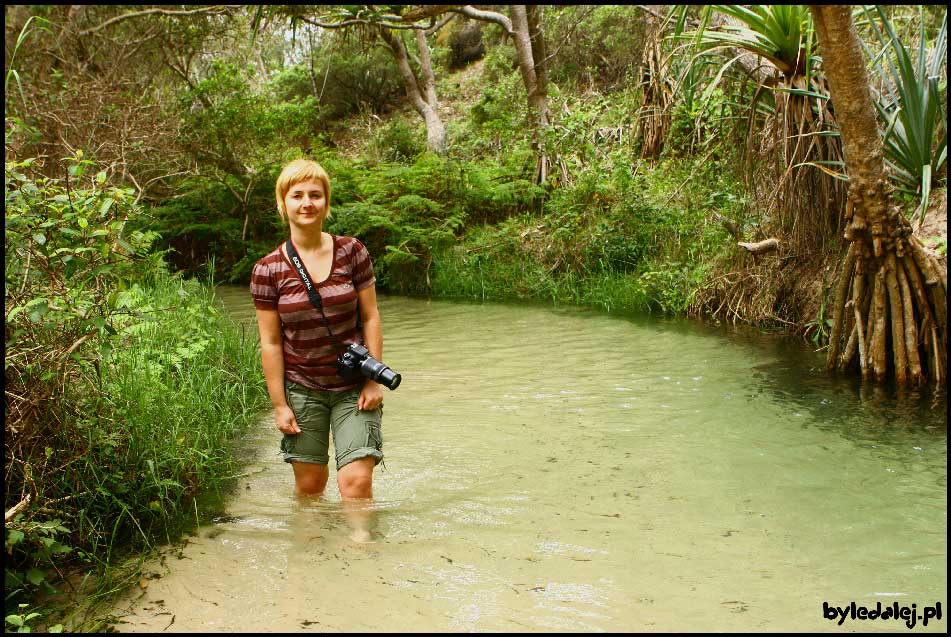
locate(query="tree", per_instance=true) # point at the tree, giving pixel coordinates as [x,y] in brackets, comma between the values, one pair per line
[891,297]
[653,120]
[421,89]
[420,85]
[533,65]
[525,28]
[773,45]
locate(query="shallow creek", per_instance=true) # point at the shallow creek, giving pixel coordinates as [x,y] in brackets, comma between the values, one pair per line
[559,469]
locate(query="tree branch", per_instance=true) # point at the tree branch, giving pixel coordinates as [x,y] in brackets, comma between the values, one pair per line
[355,21]
[487,16]
[424,11]
[138,14]
[12,511]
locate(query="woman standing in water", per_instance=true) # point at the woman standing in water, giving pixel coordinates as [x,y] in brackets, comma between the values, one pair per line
[300,343]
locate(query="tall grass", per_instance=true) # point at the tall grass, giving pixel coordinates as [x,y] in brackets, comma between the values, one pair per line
[124,385]
[185,382]
[155,429]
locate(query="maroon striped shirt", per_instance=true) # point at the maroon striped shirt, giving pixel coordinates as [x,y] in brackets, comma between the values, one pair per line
[310,353]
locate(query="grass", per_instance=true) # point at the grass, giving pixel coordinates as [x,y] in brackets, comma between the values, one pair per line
[153,426]
[510,274]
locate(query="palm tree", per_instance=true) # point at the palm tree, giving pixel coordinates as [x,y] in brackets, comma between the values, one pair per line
[774,44]
[892,296]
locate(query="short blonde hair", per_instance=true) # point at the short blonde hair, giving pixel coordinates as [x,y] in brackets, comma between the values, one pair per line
[294,173]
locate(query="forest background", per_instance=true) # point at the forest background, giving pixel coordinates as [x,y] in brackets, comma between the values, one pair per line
[682,160]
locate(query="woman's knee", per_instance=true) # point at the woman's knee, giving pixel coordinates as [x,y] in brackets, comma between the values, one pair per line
[310,479]
[355,479]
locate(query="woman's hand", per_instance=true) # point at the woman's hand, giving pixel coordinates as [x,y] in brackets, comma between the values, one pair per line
[285,420]
[371,396]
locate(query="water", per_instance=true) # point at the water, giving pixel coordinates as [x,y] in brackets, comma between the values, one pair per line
[557,469]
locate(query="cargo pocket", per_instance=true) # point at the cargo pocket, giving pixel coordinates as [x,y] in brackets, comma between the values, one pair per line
[374,435]
[288,442]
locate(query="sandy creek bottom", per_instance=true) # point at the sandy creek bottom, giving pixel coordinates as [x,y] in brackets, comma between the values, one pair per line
[567,470]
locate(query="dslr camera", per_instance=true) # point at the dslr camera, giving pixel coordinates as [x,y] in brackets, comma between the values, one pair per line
[357,360]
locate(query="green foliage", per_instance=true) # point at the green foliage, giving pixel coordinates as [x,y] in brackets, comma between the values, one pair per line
[699,115]
[200,225]
[12,73]
[124,383]
[234,128]
[783,34]
[916,136]
[397,141]
[614,239]
[595,45]
[39,545]
[352,78]
[20,619]
[67,253]
[236,136]
[818,329]
[496,113]
[402,213]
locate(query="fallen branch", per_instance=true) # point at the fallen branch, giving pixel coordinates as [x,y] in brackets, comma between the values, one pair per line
[769,245]
[16,508]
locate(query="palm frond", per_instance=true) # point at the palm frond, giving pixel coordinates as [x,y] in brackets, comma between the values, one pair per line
[909,105]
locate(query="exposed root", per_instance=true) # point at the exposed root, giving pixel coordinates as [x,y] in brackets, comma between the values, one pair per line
[903,330]
[775,289]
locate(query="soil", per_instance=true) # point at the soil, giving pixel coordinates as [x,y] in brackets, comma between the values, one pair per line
[933,230]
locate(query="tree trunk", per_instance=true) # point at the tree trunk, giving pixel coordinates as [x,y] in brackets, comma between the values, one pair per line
[904,326]
[422,94]
[530,50]
[528,35]
[653,119]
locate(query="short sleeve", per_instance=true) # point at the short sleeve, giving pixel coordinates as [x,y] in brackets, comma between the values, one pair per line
[263,290]
[361,267]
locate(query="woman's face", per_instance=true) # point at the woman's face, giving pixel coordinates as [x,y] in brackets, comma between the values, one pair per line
[306,203]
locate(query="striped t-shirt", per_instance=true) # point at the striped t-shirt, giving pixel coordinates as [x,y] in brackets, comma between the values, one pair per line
[310,352]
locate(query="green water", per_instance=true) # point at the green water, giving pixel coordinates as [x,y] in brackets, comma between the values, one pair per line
[558,469]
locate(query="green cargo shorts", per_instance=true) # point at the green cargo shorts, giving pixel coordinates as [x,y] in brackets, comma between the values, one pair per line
[356,434]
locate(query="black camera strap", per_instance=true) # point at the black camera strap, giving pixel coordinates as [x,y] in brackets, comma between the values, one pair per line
[312,291]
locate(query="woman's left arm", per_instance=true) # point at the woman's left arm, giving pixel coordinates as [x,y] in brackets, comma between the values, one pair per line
[371,396]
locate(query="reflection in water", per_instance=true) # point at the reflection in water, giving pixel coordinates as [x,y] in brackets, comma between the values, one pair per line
[562,469]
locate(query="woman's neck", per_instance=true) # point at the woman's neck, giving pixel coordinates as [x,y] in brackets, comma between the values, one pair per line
[310,240]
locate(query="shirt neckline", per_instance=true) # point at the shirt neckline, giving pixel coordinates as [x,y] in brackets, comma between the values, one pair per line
[333,258]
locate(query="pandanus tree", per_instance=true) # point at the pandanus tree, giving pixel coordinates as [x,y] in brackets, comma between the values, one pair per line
[908,99]
[890,307]
[789,118]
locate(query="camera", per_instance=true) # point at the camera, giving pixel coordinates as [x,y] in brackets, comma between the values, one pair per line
[357,360]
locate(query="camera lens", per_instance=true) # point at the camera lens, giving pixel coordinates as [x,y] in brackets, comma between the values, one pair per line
[390,378]
[379,372]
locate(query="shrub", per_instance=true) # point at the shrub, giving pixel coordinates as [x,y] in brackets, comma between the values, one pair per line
[123,383]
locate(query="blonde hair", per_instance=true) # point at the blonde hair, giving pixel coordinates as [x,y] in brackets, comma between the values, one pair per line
[294,173]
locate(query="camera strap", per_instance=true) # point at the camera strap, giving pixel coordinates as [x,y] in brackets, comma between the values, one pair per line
[312,291]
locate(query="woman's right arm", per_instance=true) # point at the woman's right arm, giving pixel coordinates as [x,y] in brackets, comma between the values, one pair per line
[272,360]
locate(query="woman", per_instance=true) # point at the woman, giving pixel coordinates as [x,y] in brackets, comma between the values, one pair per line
[300,344]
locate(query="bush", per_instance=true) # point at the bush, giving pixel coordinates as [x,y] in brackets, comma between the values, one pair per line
[124,383]
[397,141]
[601,44]
[402,214]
